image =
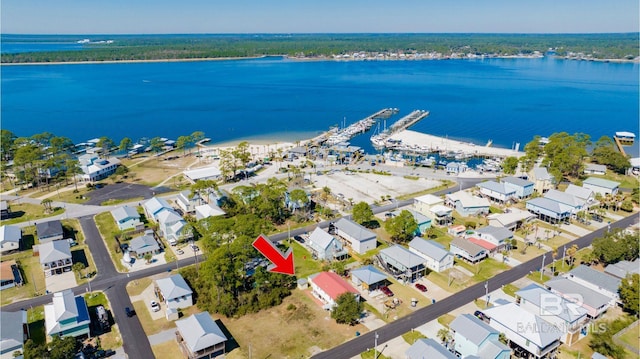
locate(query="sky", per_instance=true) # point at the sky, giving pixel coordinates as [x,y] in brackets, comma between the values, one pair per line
[317,16]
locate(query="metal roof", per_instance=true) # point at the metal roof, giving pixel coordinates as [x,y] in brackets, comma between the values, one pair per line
[600,279]
[568,287]
[431,249]
[368,274]
[173,287]
[403,256]
[601,182]
[517,181]
[200,332]
[496,187]
[354,230]
[49,229]
[428,348]
[472,328]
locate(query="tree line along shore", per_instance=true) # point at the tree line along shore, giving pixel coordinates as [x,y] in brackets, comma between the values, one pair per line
[620,47]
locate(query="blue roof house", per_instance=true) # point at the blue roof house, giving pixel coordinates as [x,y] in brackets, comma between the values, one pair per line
[368,277]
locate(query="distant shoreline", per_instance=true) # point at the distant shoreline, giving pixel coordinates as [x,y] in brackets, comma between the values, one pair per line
[323,58]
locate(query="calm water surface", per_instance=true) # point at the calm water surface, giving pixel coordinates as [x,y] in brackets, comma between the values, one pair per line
[505,100]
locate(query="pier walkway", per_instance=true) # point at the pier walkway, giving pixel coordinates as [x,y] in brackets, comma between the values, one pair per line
[382,140]
[344,135]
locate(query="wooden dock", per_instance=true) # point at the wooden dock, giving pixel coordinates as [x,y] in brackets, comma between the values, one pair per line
[381,140]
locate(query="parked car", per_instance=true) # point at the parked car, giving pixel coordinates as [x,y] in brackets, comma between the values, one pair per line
[386,291]
[130,313]
[478,314]
[421,287]
[179,251]
[155,306]
[195,247]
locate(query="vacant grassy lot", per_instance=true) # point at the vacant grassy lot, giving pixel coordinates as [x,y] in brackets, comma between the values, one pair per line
[631,337]
[153,170]
[300,323]
[151,326]
[303,262]
[35,320]
[108,228]
[27,212]
[111,339]
[138,286]
[483,270]
[530,252]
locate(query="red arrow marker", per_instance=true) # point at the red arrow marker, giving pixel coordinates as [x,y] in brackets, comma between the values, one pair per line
[281,263]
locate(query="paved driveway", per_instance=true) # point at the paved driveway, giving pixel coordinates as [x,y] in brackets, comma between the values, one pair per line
[60,282]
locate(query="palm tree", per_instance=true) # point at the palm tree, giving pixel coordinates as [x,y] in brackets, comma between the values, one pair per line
[147,257]
[444,335]
[46,203]
[78,268]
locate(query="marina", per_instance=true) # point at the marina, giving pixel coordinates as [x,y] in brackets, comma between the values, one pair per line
[336,136]
[381,140]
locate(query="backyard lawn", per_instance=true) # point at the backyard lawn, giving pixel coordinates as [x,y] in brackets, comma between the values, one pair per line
[27,212]
[108,228]
[167,350]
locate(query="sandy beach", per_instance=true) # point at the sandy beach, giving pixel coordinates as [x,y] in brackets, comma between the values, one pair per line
[413,138]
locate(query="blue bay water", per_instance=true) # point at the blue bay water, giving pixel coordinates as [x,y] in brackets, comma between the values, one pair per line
[505,100]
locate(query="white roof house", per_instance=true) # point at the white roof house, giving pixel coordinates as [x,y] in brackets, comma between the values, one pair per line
[623,268]
[95,168]
[171,225]
[603,283]
[567,199]
[495,235]
[542,179]
[601,185]
[511,220]
[436,257]
[593,301]
[568,316]
[153,206]
[126,217]
[10,238]
[582,193]
[368,277]
[473,337]
[144,244]
[428,348]
[360,239]
[55,256]
[595,169]
[175,291]
[201,336]
[424,204]
[205,173]
[529,331]
[208,210]
[467,204]
[498,192]
[325,246]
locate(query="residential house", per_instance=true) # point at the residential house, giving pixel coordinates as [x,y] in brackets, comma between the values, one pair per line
[10,237]
[206,173]
[495,235]
[623,268]
[328,286]
[55,257]
[188,201]
[456,167]
[142,245]
[174,292]
[172,226]
[595,169]
[442,215]
[474,338]
[486,245]
[199,337]
[523,188]
[428,348]
[67,315]
[593,279]
[634,170]
[5,211]
[567,199]
[601,185]
[529,334]
[154,206]
[13,333]
[424,204]
[549,210]
[127,218]
[324,246]
[424,222]
[466,204]
[49,231]
[497,192]
[569,317]
[594,302]
[542,180]
[95,168]
[470,251]
[208,210]
[511,220]
[582,193]
[402,263]
[368,278]
[359,238]
[457,230]
[436,257]
[9,274]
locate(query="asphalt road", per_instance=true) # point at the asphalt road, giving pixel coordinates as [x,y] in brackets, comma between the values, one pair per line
[392,330]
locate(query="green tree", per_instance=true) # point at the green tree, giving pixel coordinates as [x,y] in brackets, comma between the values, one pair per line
[27,157]
[241,153]
[156,145]
[35,351]
[6,144]
[362,212]
[47,204]
[300,197]
[347,310]
[73,169]
[533,151]
[78,267]
[184,142]
[604,152]
[125,144]
[197,136]
[444,335]
[565,154]
[62,348]
[629,288]
[616,246]
[106,144]
[401,227]
[510,165]
[602,340]
[121,171]
[61,144]
[148,257]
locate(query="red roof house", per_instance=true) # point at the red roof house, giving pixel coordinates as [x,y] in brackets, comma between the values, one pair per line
[482,243]
[328,286]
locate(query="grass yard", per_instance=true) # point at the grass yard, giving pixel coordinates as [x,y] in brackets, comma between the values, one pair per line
[35,320]
[167,350]
[630,337]
[151,326]
[484,270]
[111,339]
[304,325]
[369,354]
[136,287]
[107,227]
[412,336]
[27,212]
[73,197]
[510,289]
[535,276]
[458,280]
[303,262]
[625,181]
[152,171]
[446,319]
[531,252]
[405,292]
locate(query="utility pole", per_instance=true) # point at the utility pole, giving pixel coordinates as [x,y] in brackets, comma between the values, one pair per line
[486,294]
[375,346]
[542,267]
